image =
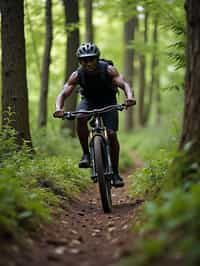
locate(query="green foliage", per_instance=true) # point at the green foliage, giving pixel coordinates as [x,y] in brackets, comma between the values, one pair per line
[177,50]
[148,181]
[125,160]
[8,145]
[176,24]
[30,187]
[53,142]
[172,230]
[158,137]
[19,206]
[122,9]
[168,223]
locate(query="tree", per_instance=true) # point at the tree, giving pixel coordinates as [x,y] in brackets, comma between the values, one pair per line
[89,34]
[71,8]
[158,101]
[191,120]
[129,29]
[154,73]
[42,116]
[142,76]
[14,82]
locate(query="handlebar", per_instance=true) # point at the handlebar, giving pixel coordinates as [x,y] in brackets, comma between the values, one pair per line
[117,107]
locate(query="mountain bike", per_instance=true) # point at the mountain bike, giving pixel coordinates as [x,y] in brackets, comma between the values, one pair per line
[100,160]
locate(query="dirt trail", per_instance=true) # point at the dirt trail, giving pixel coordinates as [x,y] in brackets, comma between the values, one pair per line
[82,235]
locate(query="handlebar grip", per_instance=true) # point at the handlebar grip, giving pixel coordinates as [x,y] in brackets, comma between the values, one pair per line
[122,107]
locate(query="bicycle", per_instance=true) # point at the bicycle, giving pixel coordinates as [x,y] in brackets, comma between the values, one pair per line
[100,160]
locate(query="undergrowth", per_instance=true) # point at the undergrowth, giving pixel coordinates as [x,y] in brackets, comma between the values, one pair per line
[167,225]
[170,228]
[30,185]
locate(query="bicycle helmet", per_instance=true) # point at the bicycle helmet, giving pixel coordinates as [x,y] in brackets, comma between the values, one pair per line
[87,49]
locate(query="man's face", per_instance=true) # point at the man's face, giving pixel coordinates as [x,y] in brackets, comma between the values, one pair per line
[89,63]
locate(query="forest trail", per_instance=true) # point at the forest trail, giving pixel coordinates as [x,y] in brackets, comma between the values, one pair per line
[82,235]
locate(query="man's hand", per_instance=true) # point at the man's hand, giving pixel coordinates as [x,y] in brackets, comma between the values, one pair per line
[130,101]
[58,114]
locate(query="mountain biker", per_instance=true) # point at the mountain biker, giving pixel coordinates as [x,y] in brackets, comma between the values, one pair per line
[98,81]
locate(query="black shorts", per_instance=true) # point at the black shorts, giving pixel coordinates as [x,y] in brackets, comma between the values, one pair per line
[110,119]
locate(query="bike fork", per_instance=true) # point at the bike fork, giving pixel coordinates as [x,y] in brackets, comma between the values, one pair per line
[93,168]
[109,170]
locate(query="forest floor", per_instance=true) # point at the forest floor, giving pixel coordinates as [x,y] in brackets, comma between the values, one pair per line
[81,235]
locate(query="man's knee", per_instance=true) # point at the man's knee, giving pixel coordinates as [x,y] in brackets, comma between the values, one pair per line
[81,123]
[81,120]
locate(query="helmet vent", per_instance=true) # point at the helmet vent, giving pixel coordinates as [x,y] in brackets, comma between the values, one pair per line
[87,49]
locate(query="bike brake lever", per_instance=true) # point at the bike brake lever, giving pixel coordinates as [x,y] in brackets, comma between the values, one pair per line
[122,107]
[68,116]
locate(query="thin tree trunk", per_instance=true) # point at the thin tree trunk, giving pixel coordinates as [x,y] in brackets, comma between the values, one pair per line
[154,65]
[158,101]
[142,77]
[89,33]
[42,116]
[191,121]
[129,29]
[14,82]
[72,28]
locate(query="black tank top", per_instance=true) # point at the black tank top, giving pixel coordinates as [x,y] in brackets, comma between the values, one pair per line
[97,87]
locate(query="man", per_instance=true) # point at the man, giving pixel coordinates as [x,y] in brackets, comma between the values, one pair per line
[98,81]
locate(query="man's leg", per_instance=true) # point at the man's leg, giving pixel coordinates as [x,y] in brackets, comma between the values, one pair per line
[114,153]
[83,133]
[114,149]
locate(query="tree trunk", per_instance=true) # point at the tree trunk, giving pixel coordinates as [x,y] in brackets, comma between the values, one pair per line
[142,77]
[154,66]
[42,117]
[191,121]
[129,29]
[89,34]
[158,101]
[14,82]
[72,28]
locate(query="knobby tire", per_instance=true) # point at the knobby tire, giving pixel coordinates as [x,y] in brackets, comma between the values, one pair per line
[104,183]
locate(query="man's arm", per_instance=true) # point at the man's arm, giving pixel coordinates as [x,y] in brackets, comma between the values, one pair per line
[66,91]
[120,82]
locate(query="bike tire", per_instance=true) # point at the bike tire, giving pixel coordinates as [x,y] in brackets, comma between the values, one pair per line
[104,183]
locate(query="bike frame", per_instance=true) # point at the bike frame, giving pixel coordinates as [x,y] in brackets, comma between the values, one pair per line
[101,166]
[100,130]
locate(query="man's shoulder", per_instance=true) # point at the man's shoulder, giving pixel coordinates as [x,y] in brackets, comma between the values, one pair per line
[73,77]
[106,67]
[106,61]
[112,71]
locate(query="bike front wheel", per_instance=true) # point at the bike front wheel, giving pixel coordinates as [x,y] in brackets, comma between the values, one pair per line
[103,181]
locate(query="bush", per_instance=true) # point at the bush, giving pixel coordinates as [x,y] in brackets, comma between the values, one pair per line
[31,186]
[171,232]
[148,181]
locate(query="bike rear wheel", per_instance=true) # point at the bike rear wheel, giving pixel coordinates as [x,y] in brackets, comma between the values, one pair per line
[104,182]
